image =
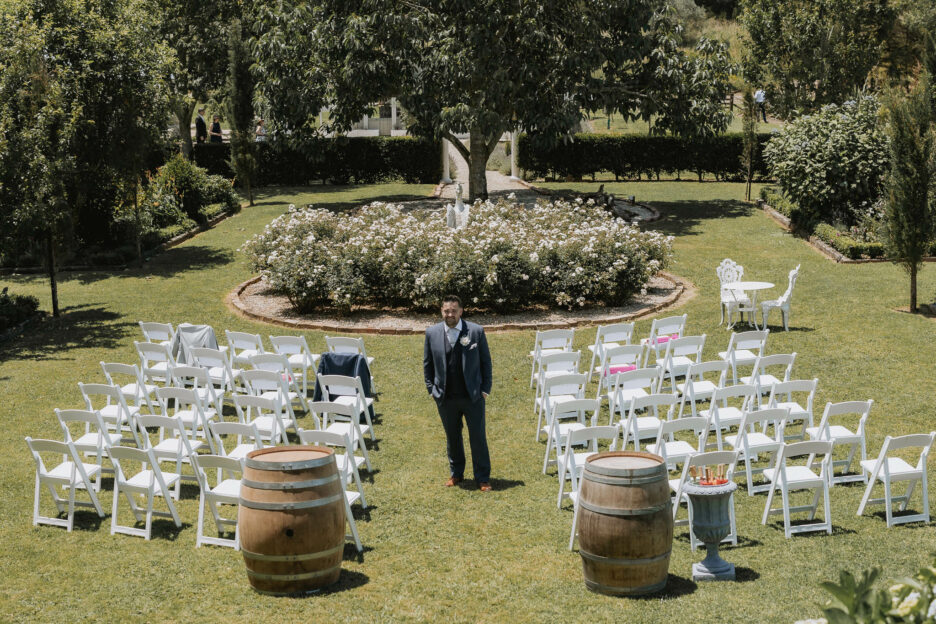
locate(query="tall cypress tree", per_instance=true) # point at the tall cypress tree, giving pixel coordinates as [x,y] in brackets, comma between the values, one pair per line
[241,88]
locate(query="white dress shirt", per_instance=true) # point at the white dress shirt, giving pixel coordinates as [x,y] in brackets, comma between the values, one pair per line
[453,332]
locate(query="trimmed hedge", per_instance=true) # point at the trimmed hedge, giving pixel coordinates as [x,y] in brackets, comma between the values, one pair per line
[846,245]
[15,309]
[631,156]
[363,160]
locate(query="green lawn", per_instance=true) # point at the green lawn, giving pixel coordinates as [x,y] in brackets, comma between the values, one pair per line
[599,124]
[456,555]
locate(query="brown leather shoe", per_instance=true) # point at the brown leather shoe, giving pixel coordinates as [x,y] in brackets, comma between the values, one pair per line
[453,481]
[484,486]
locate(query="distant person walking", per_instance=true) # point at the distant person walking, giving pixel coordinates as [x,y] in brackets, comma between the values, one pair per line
[201,127]
[260,132]
[216,136]
[760,99]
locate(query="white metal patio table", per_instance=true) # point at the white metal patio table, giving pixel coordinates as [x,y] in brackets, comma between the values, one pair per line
[753,287]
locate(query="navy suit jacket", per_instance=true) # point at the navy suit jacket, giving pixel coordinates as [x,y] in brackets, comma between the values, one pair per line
[476,360]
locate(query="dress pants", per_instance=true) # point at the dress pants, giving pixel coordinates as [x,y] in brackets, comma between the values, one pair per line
[451,411]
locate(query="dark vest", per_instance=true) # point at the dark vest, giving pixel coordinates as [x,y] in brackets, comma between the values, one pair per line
[455,387]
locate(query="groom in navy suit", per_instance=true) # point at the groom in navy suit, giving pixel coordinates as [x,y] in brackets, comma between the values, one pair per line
[457,368]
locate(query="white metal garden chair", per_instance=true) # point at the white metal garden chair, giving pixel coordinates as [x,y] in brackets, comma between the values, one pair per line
[729,271]
[785,394]
[789,477]
[135,390]
[93,442]
[699,461]
[556,391]
[348,463]
[662,331]
[246,438]
[840,434]
[681,353]
[346,344]
[702,380]
[743,350]
[110,402]
[225,492]
[632,385]
[783,303]
[750,442]
[70,474]
[266,415]
[889,469]
[242,346]
[150,482]
[300,356]
[727,408]
[160,333]
[645,427]
[156,361]
[345,420]
[558,427]
[608,336]
[549,341]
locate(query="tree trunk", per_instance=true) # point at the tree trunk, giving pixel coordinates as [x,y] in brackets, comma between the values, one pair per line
[183,114]
[50,259]
[913,288]
[138,220]
[477,166]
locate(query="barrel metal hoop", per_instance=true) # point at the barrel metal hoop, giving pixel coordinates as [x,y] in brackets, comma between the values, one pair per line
[294,465]
[288,485]
[624,480]
[288,506]
[608,511]
[623,562]
[292,577]
[624,591]
[625,472]
[302,557]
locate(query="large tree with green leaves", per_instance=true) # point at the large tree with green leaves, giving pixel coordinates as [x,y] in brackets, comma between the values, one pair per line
[81,104]
[910,209]
[485,67]
[808,53]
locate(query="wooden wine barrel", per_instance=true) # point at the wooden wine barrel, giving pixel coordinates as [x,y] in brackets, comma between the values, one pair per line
[291,519]
[625,523]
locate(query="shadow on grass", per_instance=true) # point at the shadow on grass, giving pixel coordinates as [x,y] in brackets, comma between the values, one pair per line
[675,586]
[919,524]
[79,327]
[347,580]
[265,195]
[745,575]
[683,218]
[836,529]
[87,520]
[743,542]
[496,484]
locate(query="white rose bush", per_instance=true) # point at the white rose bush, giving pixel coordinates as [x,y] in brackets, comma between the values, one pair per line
[571,254]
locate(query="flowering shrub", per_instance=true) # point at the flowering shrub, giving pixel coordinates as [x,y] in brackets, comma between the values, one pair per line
[570,254]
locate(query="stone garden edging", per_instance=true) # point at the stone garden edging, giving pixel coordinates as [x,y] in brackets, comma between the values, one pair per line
[683,291]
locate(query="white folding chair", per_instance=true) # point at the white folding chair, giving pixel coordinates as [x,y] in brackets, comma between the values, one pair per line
[630,385]
[781,363]
[613,361]
[557,390]
[702,380]
[783,303]
[156,361]
[646,427]
[729,271]
[280,364]
[699,461]
[547,342]
[840,435]
[150,482]
[93,442]
[186,405]
[266,415]
[348,463]
[551,365]
[345,344]
[242,346]
[751,443]
[113,408]
[608,336]
[558,427]
[889,469]
[681,353]
[223,376]
[674,451]
[789,478]
[226,492]
[727,408]
[199,381]
[160,333]
[743,350]
[135,391]
[345,420]
[661,332]
[571,462]
[300,357]
[349,391]
[800,410]
[70,474]
[271,385]
[172,445]
[247,437]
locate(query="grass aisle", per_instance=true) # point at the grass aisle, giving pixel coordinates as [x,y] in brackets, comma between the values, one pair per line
[455,555]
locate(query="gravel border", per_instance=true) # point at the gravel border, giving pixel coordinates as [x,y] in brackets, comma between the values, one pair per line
[682,290]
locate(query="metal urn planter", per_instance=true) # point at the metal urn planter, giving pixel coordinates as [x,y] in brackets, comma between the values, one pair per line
[711,523]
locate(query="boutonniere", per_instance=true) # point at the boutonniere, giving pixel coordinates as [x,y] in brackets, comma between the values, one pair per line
[464,340]
[474,346]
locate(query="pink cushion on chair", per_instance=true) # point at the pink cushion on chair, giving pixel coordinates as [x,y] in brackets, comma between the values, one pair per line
[614,370]
[665,339]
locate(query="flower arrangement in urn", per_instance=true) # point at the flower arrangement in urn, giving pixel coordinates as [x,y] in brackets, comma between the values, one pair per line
[709,475]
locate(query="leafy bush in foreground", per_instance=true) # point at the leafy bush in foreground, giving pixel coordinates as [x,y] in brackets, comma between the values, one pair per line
[570,254]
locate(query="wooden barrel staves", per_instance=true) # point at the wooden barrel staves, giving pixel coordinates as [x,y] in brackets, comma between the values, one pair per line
[291,519]
[625,523]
